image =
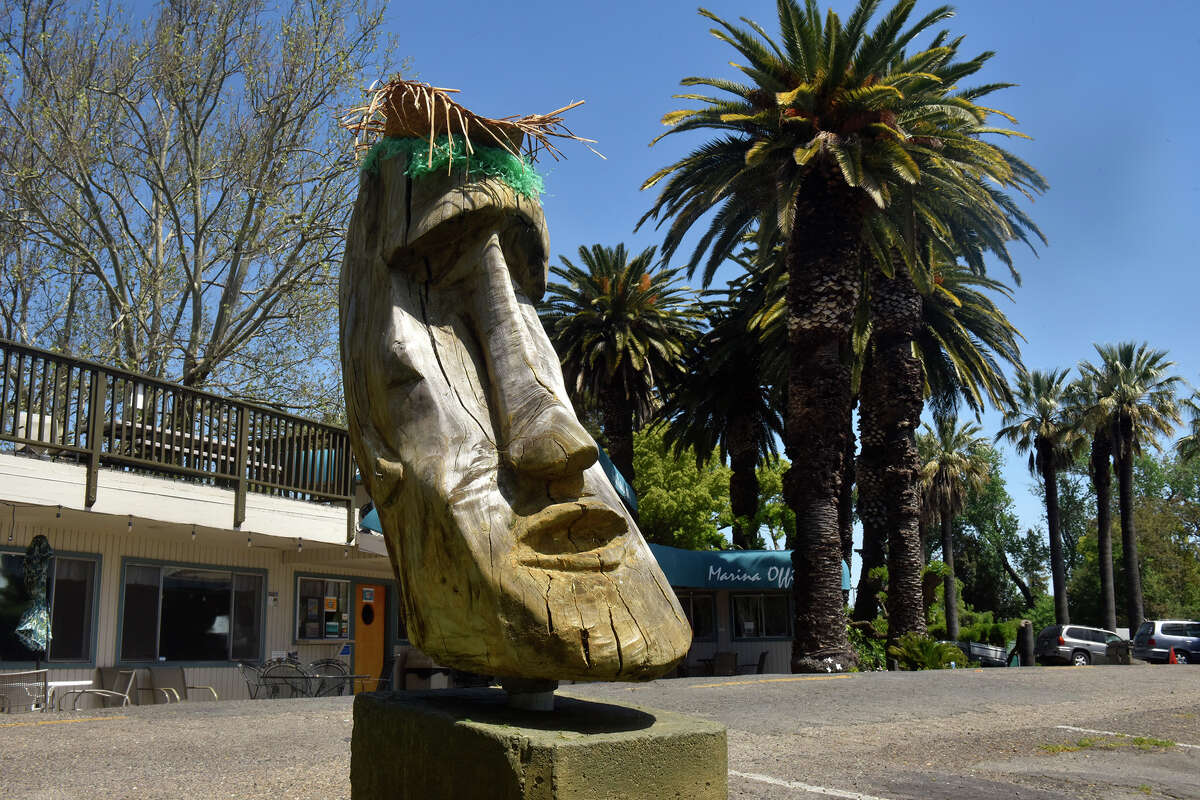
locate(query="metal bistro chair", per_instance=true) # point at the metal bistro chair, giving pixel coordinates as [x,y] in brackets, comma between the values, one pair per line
[755,668]
[118,685]
[330,677]
[172,683]
[252,675]
[724,663]
[23,691]
[284,679]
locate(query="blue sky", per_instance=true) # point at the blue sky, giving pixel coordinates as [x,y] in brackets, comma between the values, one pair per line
[1103,92]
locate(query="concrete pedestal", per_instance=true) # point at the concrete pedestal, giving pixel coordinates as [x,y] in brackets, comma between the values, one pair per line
[467,744]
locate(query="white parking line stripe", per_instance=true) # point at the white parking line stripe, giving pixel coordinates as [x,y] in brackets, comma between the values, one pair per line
[804,787]
[1125,735]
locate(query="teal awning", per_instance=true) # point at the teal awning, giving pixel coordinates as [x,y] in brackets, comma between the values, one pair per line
[730,569]
[370,521]
[617,480]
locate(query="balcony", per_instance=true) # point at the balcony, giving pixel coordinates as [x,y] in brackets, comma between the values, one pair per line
[70,410]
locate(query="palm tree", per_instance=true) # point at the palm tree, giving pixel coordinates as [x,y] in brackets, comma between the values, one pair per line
[1135,402]
[1042,426]
[952,219]
[1188,447]
[831,126]
[1084,395]
[725,401]
[952,466]
[963,336]
[619,327]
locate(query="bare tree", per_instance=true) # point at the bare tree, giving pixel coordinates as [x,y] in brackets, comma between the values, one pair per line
[185,185]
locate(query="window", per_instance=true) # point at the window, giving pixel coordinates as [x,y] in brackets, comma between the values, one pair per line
[72,588]
[1174,629]
[759,616]
[322,609]
[701,614]
[179,613]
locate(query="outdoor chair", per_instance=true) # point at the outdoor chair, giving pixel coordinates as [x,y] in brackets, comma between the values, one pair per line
[284,679]
[252,675]
[330,677]
[23,691]
[755,669]
[384,681]
[172,683]
[725,663]
[117,684]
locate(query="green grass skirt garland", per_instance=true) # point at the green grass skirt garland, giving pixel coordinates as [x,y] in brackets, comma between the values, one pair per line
[485,162]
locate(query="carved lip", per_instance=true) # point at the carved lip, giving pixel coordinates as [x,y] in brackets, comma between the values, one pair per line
[582,536]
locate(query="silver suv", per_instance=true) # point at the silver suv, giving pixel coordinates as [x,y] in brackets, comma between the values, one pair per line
[1155,638]
[1074,644]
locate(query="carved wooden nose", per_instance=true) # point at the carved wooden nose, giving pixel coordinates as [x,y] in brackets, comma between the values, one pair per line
[538,435]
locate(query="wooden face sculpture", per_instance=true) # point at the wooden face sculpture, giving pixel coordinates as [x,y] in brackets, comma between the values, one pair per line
[514,554]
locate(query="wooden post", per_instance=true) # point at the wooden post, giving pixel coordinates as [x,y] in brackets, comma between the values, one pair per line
[1025,644]
[95,424]
[243,447]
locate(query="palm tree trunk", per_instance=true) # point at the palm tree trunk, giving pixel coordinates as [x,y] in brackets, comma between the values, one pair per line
[896,394]
[846,497]
[872,510]
[743,481]
[1133,575]
[1058,568]
[1102,483]
[823,287]
[866,601]
[949,582]
[618,429]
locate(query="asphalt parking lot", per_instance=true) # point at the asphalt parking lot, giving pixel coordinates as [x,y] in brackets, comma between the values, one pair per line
[1092,732]
[1055,732]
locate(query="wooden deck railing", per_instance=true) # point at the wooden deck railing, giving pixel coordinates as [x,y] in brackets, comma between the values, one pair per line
[71,409]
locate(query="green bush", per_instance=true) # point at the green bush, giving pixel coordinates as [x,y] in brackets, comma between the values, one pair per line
[871,651]
[914,652]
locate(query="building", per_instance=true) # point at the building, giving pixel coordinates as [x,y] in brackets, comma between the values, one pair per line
[189,529]
[737,601]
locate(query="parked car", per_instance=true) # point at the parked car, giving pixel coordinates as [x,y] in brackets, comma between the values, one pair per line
[1074,644]
[985,655]
[1155,638]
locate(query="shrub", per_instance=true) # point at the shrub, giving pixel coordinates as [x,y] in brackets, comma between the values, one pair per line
[914,652]
[870,650]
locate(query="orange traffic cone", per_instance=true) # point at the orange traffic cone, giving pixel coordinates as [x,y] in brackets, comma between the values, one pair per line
[1171,657]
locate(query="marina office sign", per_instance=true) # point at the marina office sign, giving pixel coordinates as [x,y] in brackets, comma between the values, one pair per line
[730,569]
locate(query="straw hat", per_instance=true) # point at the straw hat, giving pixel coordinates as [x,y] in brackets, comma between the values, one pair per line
[411,109]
